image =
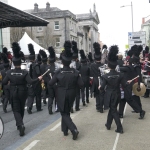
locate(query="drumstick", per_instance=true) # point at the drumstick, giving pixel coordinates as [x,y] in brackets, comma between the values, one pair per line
[134,78]
[45,72]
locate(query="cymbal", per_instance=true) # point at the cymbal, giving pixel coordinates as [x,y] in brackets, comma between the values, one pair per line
[141,92]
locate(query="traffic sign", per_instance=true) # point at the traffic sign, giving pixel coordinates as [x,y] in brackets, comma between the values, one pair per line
[136,38]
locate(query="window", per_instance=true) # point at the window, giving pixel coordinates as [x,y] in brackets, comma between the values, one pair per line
[39,29]
[40,41]
[56,27]
[57,42]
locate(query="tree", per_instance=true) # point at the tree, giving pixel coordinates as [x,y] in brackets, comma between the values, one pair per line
[48,38]
[15,34]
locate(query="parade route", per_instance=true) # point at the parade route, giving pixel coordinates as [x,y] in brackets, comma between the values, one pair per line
[93,134]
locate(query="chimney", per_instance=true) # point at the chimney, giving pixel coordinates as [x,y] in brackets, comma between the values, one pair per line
[47,6]
[143,20]
[35,7]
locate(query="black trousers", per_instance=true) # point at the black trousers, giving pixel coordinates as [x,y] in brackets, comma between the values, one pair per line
[84,90]
[133,101]
[66,122]
[113,114]
[121,106]
[147,92]
[99,100]
[45,92]
[34,93]
[6,96]
[52,95]
[77,99]
[18,105]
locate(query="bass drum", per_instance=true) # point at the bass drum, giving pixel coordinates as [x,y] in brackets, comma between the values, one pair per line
[1,127]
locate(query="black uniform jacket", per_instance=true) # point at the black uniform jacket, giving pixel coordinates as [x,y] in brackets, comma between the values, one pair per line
[18,80]
[111,81]
[85,73]
[43,69]
[95,73]
[67,79]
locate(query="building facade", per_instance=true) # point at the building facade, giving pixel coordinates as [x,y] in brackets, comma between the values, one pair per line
[64,25]
[146,27]
[4,35]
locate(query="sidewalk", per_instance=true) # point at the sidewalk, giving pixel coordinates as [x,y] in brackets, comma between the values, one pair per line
[93,134]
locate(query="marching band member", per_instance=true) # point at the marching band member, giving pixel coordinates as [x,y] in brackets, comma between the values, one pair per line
[34,90]
[51,89]
[67,79]
[111,81]
[85,73]
[95,73]
[18,79]
[76,65]
[43,67]
[6,88]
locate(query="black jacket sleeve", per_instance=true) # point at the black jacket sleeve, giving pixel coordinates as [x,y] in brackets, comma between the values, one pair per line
[29,80]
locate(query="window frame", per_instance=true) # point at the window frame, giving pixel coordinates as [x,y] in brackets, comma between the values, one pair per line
[56,25]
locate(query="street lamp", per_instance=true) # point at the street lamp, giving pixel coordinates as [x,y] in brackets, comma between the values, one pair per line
[131,13]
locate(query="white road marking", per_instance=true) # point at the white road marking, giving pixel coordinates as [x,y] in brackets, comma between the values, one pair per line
[117,137]
[31,145]
[58,124]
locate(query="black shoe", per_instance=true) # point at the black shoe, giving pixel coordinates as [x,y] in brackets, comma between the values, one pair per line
[66,133]
[78,109]
[108,128]
[98,110]
[21,130]
[56,110]
[87,100]
[71,110]
[39,109]
[75,134]
[5,110]
[119,131]
[120,116]
[142,114]
[84,104]
[146,96]
[50,111]
[29,110]
[44,102]
[101,111]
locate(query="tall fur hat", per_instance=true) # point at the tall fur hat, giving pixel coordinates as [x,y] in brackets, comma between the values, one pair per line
[5,50]
[75,50]
[44,55]
[52,56]
[90,57]
[39,59]
[5,60]
[16,54]
[31,51]
[97,54]
[112,56]
[136,50]
[83,57]
[67,54]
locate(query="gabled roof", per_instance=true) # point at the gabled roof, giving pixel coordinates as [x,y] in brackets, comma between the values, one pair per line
[12,17]
[88,16]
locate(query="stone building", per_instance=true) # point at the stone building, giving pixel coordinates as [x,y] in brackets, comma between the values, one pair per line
[64,25]
[4,35]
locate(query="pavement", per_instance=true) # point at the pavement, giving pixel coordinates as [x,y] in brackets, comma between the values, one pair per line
[92,132]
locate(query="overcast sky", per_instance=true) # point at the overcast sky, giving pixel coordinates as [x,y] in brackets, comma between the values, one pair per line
[115,22]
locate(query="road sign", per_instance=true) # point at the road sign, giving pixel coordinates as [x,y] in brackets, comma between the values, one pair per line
[136,38]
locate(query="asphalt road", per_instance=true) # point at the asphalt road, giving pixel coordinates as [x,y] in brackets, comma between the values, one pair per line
[43,131]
